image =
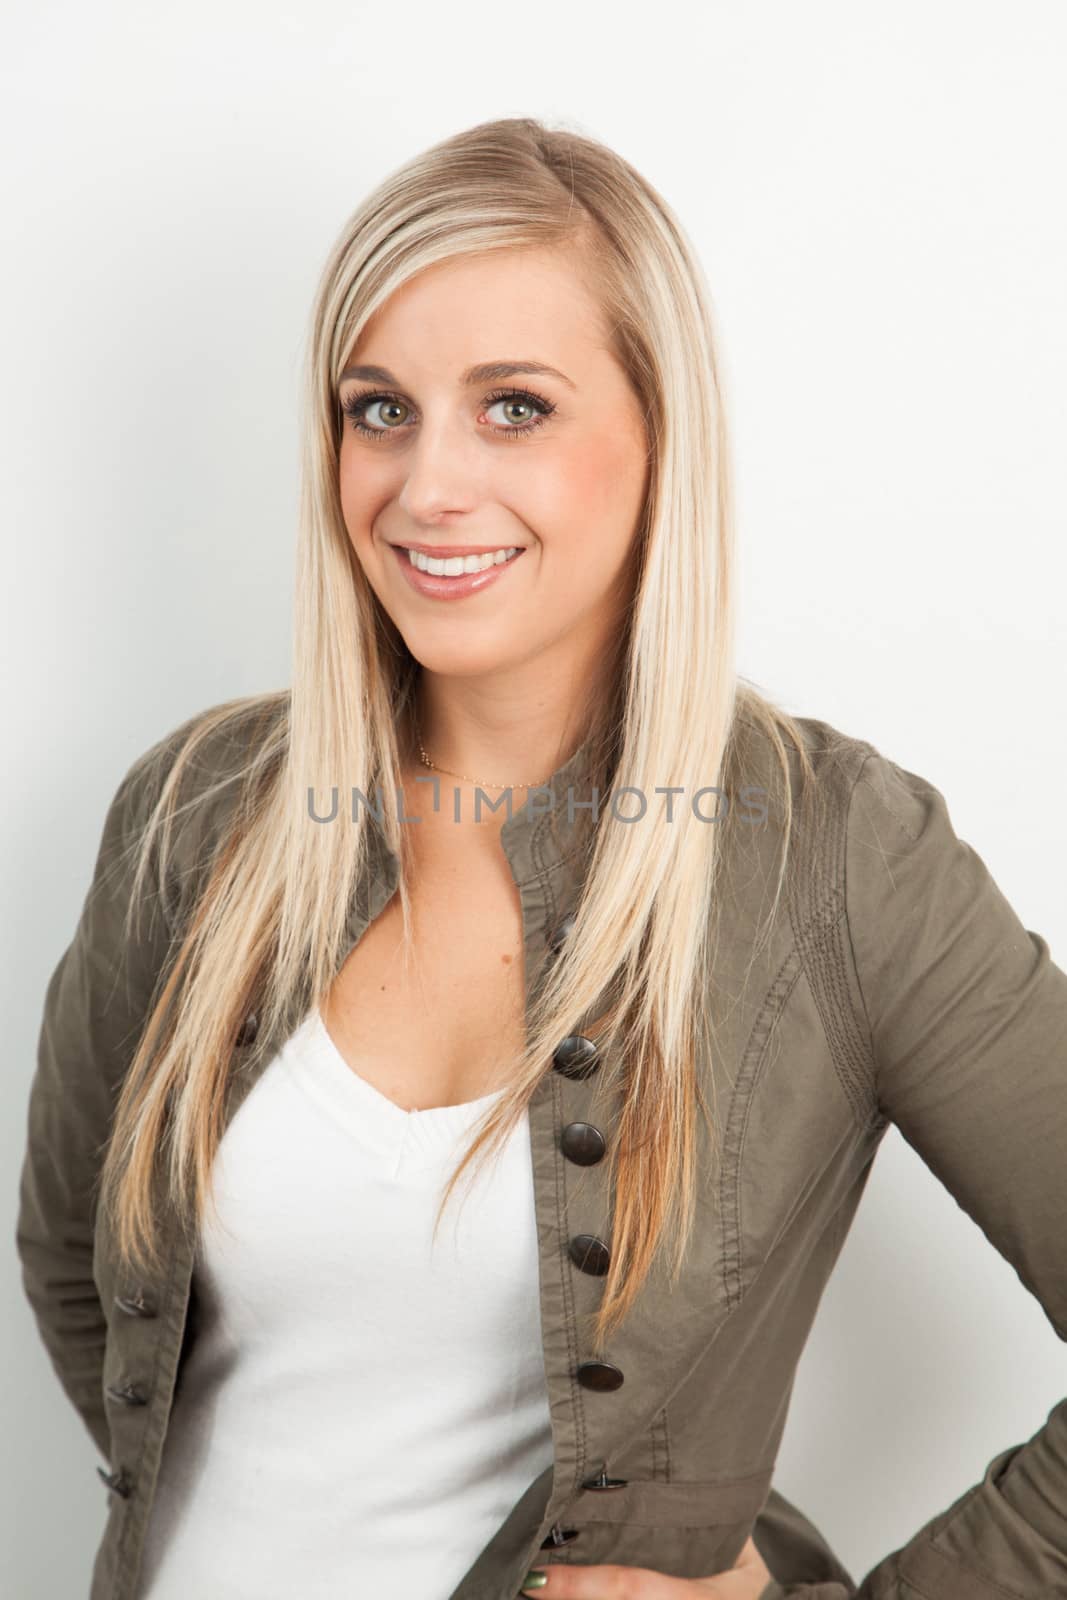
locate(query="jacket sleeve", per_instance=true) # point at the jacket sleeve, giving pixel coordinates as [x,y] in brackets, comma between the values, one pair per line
[963,1020]
[96,1002]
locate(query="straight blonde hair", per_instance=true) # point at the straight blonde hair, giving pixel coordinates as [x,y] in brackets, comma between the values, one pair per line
[269,926]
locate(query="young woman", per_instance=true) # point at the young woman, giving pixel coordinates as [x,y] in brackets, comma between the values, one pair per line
[517,883]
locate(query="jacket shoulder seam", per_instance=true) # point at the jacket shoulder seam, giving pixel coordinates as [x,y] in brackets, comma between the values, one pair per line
[885,803]
[864,1014]
[821,931]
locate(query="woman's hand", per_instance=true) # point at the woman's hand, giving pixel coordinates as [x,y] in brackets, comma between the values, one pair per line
[745,1580]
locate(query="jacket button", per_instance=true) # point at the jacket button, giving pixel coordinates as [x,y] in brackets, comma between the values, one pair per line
[129,1394]
[599,1375]
[135,1304]
[560,934]
[246,1034]
[583,1144]
[117,1481]
[602,1481]
[559,1536]
[589,1254]
[576,1056]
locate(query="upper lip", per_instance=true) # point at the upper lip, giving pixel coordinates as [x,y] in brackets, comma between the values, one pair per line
[442,552]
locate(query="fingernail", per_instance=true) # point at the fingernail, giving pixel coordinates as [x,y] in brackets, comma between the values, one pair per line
[535,1580]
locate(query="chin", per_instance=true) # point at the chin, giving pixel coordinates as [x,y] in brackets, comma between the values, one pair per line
[458,658]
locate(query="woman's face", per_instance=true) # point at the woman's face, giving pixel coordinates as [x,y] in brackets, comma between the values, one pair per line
[436,455]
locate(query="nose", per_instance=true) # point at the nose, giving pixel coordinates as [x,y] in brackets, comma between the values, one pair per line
[443,472]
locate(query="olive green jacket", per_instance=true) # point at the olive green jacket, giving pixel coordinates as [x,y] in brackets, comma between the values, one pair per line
[895,984]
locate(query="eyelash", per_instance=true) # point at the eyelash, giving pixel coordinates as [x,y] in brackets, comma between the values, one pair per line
[354,406]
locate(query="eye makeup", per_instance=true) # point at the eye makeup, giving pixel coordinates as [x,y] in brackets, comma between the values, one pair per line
[356,404]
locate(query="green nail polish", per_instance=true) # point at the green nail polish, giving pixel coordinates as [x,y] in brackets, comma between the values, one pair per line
[535,1580]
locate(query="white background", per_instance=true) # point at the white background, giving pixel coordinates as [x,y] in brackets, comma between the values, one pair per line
[876,193]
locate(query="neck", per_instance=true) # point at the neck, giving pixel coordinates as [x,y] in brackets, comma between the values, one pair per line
[474,734]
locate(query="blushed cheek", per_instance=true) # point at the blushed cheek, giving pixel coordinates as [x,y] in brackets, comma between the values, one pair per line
[598,490]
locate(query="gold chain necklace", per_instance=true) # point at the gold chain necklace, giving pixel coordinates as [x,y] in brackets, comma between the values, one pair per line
[485,783]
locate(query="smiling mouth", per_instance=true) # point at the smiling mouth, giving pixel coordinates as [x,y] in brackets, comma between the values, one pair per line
[460,565]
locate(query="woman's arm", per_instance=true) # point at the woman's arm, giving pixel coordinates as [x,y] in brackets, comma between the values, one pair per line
[966,1026]
[95,1006]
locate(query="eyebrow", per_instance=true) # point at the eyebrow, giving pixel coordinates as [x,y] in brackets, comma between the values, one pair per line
[486,372]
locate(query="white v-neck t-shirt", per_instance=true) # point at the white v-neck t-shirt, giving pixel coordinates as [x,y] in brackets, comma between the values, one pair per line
[358,1412]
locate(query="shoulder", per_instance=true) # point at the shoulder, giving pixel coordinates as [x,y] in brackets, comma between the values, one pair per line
[804,768]
[867,837]
[213,747]
[195,777]
[884,894]
[883,902]
[848,779]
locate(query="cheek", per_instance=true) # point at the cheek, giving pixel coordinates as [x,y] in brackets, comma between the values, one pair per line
[352,492]
[591,500]
[361,497]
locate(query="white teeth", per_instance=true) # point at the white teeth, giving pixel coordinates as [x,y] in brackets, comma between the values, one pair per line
[453,566]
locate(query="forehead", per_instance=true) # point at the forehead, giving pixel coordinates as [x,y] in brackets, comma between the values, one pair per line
[500,305]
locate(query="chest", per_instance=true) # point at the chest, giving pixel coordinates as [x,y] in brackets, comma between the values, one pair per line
[434,1023]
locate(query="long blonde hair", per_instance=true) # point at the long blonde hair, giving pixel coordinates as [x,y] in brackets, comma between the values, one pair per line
[270,923]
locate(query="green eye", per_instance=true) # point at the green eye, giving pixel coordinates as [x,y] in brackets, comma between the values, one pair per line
[357,406]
